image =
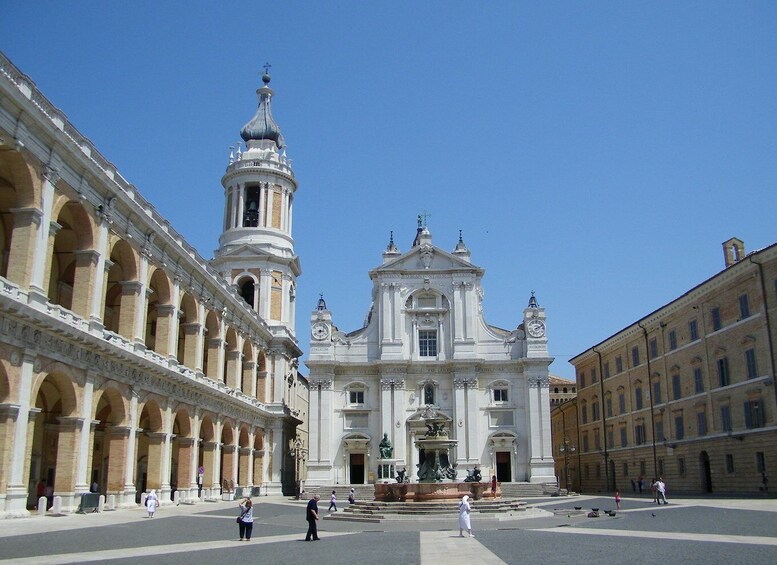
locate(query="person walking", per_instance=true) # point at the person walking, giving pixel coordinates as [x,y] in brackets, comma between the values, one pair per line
[352,496]
[661,491]
[464,519]
[311,515]
[654,489]
[493,486]
[246,519]
[333,502]
[641,483]
[617,500]
[152,503]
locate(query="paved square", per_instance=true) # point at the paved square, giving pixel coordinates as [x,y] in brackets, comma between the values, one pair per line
[692,530]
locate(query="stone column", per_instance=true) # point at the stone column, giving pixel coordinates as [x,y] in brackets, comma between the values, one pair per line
[211,464]
[67,459]
[244,466]
[156,441]
[191,346]
[139,332]
[9,414]
[26,224]
[460,422]
[165,324]
[248,385]
[97,307]
[132,447]
[84,450]
[21,446]
[240,204]
[233,366]
[40,257]
[186,473]
[172,334]
[129,303]
[83,283]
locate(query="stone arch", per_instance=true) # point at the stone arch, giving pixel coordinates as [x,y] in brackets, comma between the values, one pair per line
[248,382]
[71,263]
[206,456]
[181,472]
[262,394]
[150,446]
[228,456]
[5,385]
[159,312]
[231,358]
[55,434]
[121,292]
[15,171]
[212,347]
[248,288]
[111,437]
[244,456]
[188,331]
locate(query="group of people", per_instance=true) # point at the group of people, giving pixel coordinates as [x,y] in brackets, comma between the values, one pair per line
[657,487]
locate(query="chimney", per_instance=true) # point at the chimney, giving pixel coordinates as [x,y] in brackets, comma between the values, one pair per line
[733,251]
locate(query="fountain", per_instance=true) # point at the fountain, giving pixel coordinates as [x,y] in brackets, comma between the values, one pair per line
[436,474]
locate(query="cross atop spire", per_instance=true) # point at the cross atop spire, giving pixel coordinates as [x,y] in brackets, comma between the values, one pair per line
[266,67]
[422,219]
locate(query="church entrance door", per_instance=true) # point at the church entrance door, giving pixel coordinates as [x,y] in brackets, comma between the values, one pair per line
[357,468]
[503,467]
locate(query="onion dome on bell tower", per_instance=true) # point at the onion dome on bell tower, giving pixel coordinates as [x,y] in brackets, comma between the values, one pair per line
[256,248]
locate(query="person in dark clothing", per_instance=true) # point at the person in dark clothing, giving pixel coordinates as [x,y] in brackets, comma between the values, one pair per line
[311,515]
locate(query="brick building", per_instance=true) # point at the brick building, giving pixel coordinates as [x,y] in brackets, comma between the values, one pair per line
[687,392]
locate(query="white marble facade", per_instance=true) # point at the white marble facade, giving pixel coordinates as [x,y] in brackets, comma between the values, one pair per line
[425,342]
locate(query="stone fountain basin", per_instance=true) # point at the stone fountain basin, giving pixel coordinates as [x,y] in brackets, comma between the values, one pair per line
[423,492]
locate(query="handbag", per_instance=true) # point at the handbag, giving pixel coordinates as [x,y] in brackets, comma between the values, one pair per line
[240,518]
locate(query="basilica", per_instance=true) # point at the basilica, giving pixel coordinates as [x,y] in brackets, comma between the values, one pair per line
[426,349]
[128,362]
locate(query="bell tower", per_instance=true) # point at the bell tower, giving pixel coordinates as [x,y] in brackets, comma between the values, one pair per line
[256,249]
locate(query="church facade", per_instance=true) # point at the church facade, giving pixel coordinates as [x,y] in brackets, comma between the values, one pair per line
[128,362]
[426,348]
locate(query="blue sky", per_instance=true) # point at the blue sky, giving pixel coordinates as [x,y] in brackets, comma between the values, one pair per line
[598,153]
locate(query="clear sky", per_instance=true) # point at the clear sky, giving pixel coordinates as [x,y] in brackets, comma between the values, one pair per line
[598,153]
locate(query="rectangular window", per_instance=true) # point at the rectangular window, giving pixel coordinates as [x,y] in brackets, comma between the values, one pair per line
[634,356]
[681,466]
[500,395]
[672,340]
[657,392]
[679,430]
[356,396]
[677,389]
[723,376]
[608,406]
[585,443]
[701,423]
[653,348]
[607,370]
[693,330]
[754,414]
[660,430]
[621,403]
[584,413]
[427,343]
[581,379]
[610,437]
[760,462]
[595,411]
[716,322]
[639,434]
[752,369]
[725,418]
[624,438]
[593,375]
[729,463]
[618,364]
[698,382]
[597,441]
[744,307]
[638,398]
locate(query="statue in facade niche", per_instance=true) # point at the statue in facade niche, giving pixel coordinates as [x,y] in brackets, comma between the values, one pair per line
[385,447]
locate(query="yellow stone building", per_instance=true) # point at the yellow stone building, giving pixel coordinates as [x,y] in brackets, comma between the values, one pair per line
[127,361]
[688,391]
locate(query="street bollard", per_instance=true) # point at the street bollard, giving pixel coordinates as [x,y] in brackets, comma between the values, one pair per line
[42,504]
[101,503]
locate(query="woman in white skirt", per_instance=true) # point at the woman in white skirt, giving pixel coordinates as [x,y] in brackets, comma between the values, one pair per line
[464,522]
[152,502]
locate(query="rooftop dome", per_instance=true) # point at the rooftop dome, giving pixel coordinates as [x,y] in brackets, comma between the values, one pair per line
[262,126]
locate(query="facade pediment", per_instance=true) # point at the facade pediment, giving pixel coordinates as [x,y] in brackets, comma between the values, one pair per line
[425,258]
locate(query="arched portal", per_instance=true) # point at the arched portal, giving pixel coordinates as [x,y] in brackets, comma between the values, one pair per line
[110,441]
[705,472]
[181,472]
[150,449]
